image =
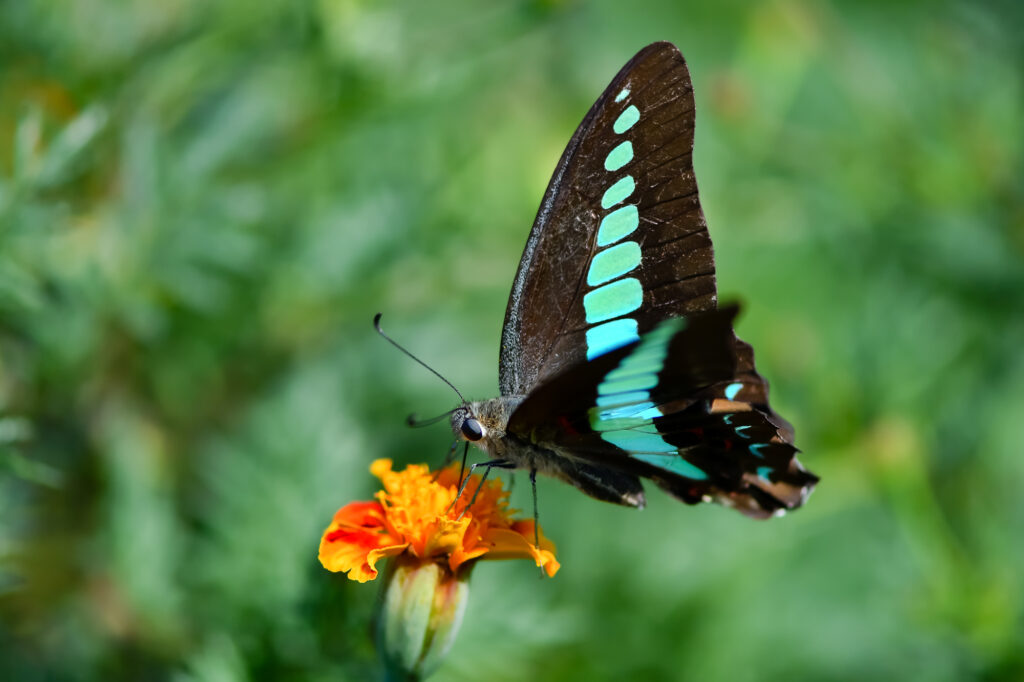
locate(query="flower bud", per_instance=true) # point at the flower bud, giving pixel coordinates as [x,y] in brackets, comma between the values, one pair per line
[420,614]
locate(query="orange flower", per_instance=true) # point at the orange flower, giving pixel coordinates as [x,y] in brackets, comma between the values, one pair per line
[411,515]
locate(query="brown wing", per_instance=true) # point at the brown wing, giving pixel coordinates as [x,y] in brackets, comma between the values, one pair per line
[600,189]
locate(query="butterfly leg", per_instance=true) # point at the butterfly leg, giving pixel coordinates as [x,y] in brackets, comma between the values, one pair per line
[536,514]
[448,460]
[465,454]
[494,463]
[536,517]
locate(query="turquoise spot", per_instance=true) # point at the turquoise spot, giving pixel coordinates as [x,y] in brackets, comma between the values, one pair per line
[626,120]
[619,418]
[613,263]
[622,398]
[652,366]
[613,300]
[616,424]
[622,95]
[732,389]
[649,413]
[619,157]
[650,354]
[618,192]
[648,358]
[638,382]
[674,464]
[609,336]
[642,357]
[667,329]
[638,441]
[763,472]
[741,429]
[728,419]
[755,449]
[656,347]
[618,224]
[635,410]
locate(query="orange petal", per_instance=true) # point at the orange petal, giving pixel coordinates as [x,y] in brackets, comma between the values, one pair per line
[360,514]
[381,468]
[447,536]
[513,544]
[368,569]
[461,556]
[356,539]
[525,527]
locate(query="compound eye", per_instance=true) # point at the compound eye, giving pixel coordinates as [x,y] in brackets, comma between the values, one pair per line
[472,429]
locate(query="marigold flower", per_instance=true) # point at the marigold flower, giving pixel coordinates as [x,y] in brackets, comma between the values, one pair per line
[435,544]
[411,515]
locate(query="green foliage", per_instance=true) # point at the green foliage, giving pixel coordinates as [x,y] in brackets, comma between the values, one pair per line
[203,204]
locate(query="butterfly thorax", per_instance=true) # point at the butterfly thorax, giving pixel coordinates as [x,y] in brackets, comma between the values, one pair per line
[486,425]
[492,418]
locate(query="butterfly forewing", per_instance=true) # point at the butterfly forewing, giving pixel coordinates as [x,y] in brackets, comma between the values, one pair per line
[620,242]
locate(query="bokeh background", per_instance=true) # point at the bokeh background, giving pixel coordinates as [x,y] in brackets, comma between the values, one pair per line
[202,205]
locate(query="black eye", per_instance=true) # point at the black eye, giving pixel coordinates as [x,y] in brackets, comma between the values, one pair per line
[472,430]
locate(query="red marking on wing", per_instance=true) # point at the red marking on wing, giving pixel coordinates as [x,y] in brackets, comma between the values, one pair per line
[564,422]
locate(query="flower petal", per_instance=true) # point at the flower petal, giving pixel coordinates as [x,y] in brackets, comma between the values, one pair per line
[368,570]
[360,515]
[517,543]
[356,539]
[447,537]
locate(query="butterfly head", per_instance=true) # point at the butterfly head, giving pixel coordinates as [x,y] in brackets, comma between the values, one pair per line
[467,426]
[482,423]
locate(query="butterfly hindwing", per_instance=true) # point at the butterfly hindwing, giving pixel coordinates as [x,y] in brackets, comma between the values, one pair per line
[658,409]
[620,242]
[748,464]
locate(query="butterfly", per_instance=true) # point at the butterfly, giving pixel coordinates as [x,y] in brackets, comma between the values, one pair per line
[617,364]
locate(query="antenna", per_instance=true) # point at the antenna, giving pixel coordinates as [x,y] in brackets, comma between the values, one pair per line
[416,423]
[376,325]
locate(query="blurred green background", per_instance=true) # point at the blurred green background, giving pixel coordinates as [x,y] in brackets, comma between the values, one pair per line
[202,205]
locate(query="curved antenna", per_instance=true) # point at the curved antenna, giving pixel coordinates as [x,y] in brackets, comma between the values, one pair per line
[415,423]
[376,325]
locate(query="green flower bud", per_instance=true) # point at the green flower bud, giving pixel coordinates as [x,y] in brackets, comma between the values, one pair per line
[419,616]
